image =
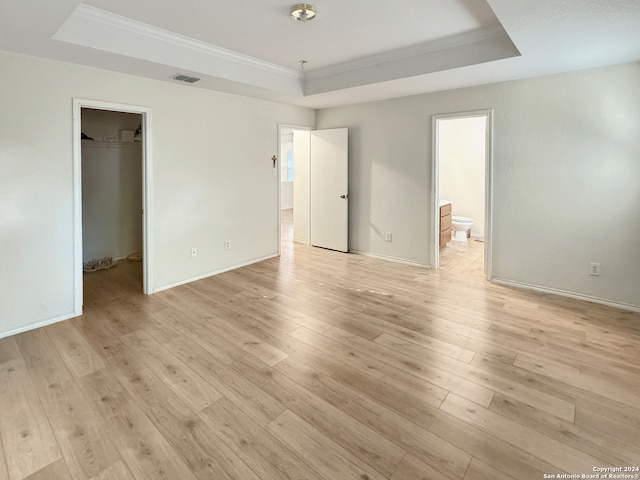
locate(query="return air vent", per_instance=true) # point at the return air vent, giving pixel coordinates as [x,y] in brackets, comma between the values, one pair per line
[185,78]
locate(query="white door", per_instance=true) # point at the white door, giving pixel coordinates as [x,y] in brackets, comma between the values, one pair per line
[329,199]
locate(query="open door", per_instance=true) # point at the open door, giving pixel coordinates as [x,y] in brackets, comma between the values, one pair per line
[329,198]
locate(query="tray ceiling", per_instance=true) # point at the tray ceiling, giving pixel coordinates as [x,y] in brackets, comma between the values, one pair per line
[354,51]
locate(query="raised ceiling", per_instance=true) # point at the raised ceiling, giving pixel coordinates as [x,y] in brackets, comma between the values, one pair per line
[355,51]
[343,31]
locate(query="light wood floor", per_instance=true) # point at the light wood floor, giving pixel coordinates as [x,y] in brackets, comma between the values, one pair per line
[321,365]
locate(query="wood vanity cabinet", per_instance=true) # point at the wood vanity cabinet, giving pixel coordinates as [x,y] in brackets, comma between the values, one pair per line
[445,224]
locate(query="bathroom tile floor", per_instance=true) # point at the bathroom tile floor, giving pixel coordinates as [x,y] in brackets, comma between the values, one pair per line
[463,257]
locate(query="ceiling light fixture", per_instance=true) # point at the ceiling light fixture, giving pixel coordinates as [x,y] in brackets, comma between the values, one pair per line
[303,12]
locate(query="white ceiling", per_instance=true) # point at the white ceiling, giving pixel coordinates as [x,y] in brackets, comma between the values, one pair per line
[263,29]
[390,49]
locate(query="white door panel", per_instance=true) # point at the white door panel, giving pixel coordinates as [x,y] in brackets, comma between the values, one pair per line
[329,199]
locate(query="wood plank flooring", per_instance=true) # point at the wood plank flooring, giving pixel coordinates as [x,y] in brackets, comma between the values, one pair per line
[322,366]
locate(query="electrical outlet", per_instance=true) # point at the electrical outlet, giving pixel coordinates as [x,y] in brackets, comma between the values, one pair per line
[387,237]
[194,251]
[227,244]
[594,269]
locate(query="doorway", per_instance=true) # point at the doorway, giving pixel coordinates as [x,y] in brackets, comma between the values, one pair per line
[106,183]
[313,193]
[286,176]
[462,191]
[293,213]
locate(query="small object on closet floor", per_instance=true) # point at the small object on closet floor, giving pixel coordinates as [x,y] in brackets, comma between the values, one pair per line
[98,264]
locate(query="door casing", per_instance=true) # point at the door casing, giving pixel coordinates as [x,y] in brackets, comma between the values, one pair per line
[434,252]
[147,204]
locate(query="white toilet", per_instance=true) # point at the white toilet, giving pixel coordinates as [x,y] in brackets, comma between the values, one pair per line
[461,225]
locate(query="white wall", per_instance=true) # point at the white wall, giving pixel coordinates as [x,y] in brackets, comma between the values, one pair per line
[212,180]
[286,187]
[286,146]
[462,143]
[111,186]
[301,149]
[566,170]
[286,195]
[111,199]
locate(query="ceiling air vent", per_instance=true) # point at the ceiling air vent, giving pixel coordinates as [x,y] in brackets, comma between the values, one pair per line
[185,78]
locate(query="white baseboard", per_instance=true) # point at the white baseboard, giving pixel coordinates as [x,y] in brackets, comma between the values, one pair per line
[563,293]
[391,259]
[33,326]
[44,323]
[211,274]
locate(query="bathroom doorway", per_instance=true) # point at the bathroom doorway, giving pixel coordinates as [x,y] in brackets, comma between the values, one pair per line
[462,192]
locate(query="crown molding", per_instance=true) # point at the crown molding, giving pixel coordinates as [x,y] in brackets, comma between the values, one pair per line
[92,14]
[95,15]
[434,46]
[97,29]
[489,49]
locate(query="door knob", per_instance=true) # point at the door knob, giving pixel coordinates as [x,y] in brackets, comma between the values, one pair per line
[344,196]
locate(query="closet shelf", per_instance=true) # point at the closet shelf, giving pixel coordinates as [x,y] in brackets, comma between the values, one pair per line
[100,144]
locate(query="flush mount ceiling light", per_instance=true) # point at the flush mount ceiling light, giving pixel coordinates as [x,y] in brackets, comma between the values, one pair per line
[303,12]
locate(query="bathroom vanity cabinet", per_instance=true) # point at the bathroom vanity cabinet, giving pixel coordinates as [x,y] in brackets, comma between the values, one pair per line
[445,224]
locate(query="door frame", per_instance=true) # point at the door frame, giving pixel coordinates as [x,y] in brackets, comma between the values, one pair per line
[147,204]
[488,179]
[279,176]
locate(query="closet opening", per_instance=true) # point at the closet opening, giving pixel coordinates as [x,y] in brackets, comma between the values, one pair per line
[111,170]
